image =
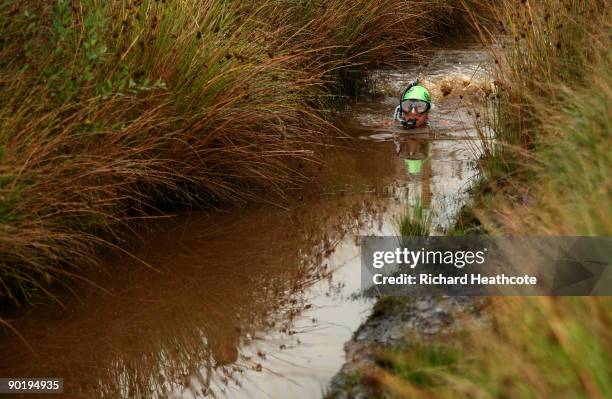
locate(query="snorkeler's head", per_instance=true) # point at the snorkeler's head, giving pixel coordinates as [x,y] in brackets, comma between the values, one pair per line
[415,105]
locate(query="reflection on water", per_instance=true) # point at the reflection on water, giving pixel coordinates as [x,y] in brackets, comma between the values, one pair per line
[415,154]
[259,302]
[228,308]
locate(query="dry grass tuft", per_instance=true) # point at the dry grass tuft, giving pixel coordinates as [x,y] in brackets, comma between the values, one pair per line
[550,169]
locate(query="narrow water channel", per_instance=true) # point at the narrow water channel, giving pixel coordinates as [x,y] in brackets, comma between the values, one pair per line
[259,302]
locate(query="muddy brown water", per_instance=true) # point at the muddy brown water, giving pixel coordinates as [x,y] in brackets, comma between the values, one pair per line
[259,302]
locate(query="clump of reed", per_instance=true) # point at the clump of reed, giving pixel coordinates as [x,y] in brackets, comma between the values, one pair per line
[550,170]
[109,110]
[415,222]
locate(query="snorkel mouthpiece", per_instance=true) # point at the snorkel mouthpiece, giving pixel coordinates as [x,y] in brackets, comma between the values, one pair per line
[410,123]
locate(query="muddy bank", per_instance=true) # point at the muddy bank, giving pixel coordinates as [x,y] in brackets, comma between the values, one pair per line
[393,324]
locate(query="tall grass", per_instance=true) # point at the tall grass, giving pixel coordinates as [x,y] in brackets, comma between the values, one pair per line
[551,168]
[110,109]
[548,173]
